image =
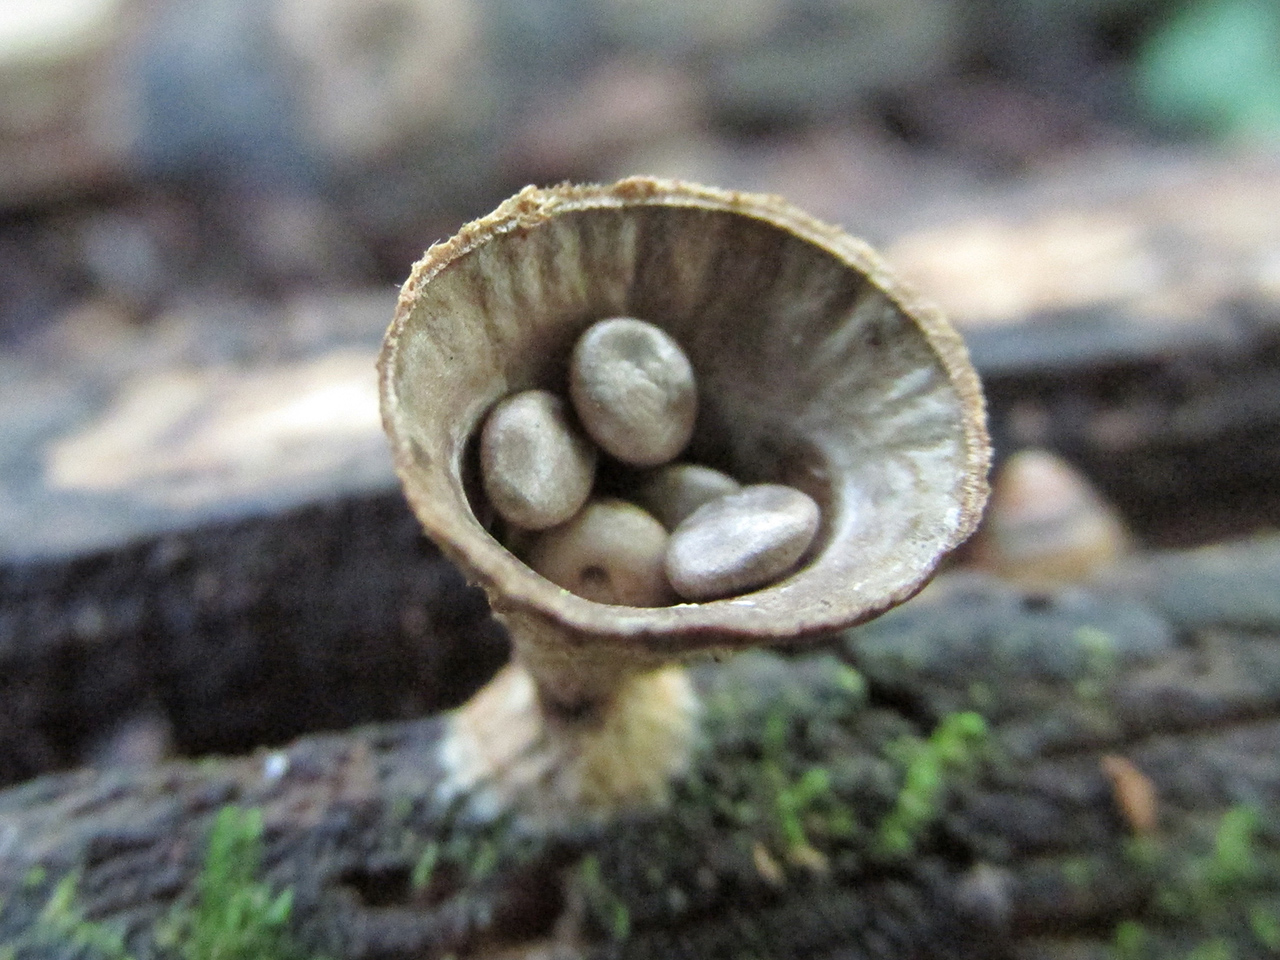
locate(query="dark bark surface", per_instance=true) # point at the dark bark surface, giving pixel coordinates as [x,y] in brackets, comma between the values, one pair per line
[238,634]
[847,803]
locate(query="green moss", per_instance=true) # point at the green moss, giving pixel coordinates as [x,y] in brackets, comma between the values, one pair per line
[1264,924]
[35,877]
[1100,663]
[234,916]
[600,900]
[62,921]
[792,802]
[981,696]
[1079,871]
[768,777]
[1214,902]
[793,797]
[954,747]
[798,779]
[458,854]
[1218,949]
[801,806]
[1233,861]
[1131,941]
[1212,68]
[231,916]
[424,869]
[1205,885]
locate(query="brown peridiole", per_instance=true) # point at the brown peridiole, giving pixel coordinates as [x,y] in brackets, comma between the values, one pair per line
[815,368]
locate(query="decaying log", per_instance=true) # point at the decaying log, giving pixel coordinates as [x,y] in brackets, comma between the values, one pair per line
[202,564]
[1124,800]
[199,524]
[238,634]
[1127,795]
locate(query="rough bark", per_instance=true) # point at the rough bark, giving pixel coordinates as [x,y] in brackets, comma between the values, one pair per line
[237,635]
[797,834]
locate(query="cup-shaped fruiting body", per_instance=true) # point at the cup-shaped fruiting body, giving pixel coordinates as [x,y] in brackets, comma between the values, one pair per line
[815,368]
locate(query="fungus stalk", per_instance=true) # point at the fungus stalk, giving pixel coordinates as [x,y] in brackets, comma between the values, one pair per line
[831,441]
[563,735]
[514,747]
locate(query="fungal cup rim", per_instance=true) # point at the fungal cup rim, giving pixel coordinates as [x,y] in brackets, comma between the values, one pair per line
[433,480]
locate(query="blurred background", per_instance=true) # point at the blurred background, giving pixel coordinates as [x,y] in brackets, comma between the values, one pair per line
[207,206]
[152,148]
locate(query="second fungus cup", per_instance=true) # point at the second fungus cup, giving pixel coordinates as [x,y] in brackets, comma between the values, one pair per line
[815,369]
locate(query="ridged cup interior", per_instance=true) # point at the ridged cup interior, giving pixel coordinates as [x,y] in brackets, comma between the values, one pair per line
[815,368]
